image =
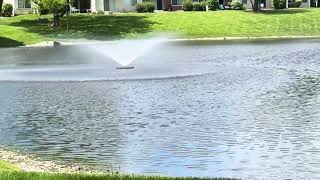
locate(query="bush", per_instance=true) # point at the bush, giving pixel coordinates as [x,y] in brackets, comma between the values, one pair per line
[100,12]
[197,6]
[187,5]
[203,5]
[7,10]
[145,7]
[297,3]
[279,4]
[43,20]
[140,8]
[237,5]
[213,4]
[149,7]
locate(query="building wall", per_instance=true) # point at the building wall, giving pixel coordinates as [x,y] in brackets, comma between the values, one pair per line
[248,5]
[17,10]
[115,5]
[305,4]
[269,4]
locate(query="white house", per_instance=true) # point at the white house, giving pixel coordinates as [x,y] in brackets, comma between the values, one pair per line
[27,6]
[22,6]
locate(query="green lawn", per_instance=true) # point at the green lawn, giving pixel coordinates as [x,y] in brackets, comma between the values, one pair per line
[23,30]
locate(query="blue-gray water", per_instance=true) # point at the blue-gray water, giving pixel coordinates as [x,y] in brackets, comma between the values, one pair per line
[187,109]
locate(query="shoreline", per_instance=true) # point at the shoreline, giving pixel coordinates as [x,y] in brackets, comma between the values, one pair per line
[218,39]
[29,163]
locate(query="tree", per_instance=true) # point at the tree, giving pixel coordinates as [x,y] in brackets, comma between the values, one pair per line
[255,5]
[57,7]
[1,2]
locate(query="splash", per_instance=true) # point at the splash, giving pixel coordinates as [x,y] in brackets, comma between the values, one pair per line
[124,52]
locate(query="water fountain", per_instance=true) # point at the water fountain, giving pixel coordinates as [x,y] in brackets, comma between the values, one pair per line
[124,52]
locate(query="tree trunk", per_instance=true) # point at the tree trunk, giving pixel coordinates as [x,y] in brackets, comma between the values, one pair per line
[1,2]
[255,5]
[56,21]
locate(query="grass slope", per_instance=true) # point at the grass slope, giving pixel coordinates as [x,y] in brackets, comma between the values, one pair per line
[4,166]
[54,176]
[293,22]
[11,172]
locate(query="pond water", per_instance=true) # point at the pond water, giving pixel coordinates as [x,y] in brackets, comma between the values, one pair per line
[248,110]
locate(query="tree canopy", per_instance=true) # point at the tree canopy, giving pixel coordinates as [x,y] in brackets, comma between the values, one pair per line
[57,7]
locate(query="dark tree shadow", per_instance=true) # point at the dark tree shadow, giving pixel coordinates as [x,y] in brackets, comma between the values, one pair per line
[6,42]
[284,11]
[92,27]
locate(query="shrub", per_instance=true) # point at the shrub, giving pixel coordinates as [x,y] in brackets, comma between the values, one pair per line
[149,7]
[237,5]
[279,4]
[100,12]
[213,4]
[198,6]
[7,10]
[140,8]
[43,20]
[203,4]
[187,5]
[298,3]
[145,7]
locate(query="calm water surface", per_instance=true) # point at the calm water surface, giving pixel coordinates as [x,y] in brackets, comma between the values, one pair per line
[188,109]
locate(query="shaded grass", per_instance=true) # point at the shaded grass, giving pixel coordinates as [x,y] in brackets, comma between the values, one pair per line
[291,22]
[4,166]
[12,175]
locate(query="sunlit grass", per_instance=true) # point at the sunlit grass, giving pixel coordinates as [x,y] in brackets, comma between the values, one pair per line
[77,176]
[4,166]
[293,22]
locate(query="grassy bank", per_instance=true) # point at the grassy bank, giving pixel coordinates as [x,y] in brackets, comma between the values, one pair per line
[22,30]
[12,175]
[11,172]
[4,166]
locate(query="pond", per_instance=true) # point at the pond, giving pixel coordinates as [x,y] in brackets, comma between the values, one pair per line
[227,109]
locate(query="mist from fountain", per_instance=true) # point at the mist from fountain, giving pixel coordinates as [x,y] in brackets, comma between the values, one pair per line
[124,52]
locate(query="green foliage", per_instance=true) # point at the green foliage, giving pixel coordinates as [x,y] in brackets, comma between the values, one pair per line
[213,4]
[187,5]
[145,7]
[203,5]
[100,12]
[43,10]
[7,10]
[237,5]
[52,6]
[199,6]
[298,3]
[279,4]
[149,7]
[4,166]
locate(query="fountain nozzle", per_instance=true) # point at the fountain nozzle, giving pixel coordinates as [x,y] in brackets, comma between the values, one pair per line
[125,67]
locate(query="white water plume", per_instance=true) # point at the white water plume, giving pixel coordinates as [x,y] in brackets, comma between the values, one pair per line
[125,52]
